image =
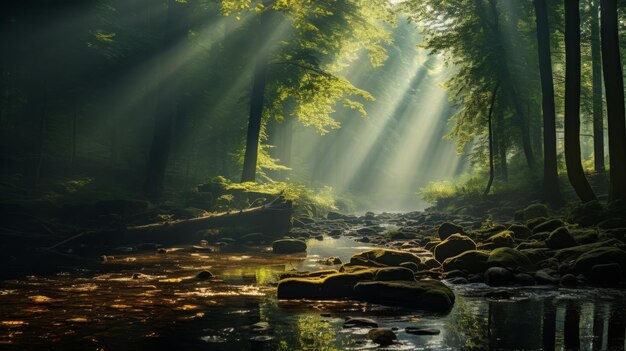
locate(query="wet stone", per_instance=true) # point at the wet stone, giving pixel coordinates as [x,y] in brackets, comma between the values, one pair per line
[353,322]
[421,331]
[382,336]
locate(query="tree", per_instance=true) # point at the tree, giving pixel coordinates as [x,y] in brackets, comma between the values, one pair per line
[598,110]
[614,88]
[551,190]
[573,161]
[489,122]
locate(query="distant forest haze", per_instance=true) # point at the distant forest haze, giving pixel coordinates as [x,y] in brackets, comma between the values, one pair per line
[381,105]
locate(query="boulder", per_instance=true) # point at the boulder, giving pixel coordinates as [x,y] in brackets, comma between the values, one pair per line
[446,229]
[410,265]
[535,211]
[352,322]
[204,275]
[547,276]
[508,258]
[548,226]
[454,245]
[288,246]
[332,286]
[471,261]
[382,336]
[394,273]
[601,255]
[335,215]
[520,231]
[587,214]
[431,295]
[560,238]
[384,257]
[502,239]
[569,280]
[524,279]
[421,331]
[498,276]
[609,274]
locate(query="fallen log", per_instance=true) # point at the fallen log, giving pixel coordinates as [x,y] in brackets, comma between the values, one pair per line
[272,219]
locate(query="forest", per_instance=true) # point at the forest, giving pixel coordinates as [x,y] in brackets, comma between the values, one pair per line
[313,174]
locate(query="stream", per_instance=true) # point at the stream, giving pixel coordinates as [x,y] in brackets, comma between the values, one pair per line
[151,301]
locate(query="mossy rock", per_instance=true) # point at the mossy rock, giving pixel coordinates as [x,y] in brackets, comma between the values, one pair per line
[585,236]
[599,256]
[531,224]
[446,229]
[587,214]
[534,211]
[471,261]
[430,295]
[531,244]
[454,245]
[508,258]
[395,273]
[288,246]
[536,255]
[572,253]
[385,257]
[560,239]
[307,274]
[548,226]
[520,231]
[502,239]
[333,286]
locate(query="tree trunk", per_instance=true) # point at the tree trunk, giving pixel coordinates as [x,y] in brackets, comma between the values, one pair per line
[257,104]
[551,191]
[490,125]
[166,111]
[575,171]
[598,112]
[614,89]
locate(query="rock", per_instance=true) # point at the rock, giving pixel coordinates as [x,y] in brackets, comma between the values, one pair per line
[432,263]
[534,211]
[457,281]
[502,239]
[456,273]
[560,239]
[587,214]
[319,237]
[330,261]
[384,257]
[498,276]
[260,327]
[452,246]
[332,286]
[410,265]
[395,273]
[531,224]
[288,246]
[335,215]
[382,336]
[471,261]
[524,279]
[546,276]
[613,223]
[367,231]
[520,231]
[508,258]
[138,276]
[497,295]
[335,233]
[569,280]
[352,322]
[421,331]
[548,226]
[601,255]
[255,238]
[204,275]
[475,278]
[363,240]
[447,229]
[428,295]
[606,274]
[162,251]
[260,339]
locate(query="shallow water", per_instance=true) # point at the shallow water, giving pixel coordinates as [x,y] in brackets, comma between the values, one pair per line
[104,308]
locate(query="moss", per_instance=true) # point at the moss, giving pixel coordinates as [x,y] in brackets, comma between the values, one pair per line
[537,254]
[384,257]
[572,253]
[502,239]
[602,255]
[472,261]
[332,286]
[508,258]
[534,211]
[454,245]
[548,226]
[307,274]
[394,273]
[287,246]
[560,238]
[428,295]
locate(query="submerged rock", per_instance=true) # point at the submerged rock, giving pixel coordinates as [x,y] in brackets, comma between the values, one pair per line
[382,336]
[288,246]
[352,322]
[447,229]
[498,276]
[452,246]
[204,275]
[428,295]
[421,331]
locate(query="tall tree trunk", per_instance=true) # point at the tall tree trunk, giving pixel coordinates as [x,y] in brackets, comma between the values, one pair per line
[598,112]
[166,112]
[551,191]
[490,125]
[573,162]
[257,103]
[614,89]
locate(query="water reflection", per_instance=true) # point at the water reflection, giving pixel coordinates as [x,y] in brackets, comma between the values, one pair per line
[165,308]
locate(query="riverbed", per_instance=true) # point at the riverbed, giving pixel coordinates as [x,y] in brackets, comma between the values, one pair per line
[152,301]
